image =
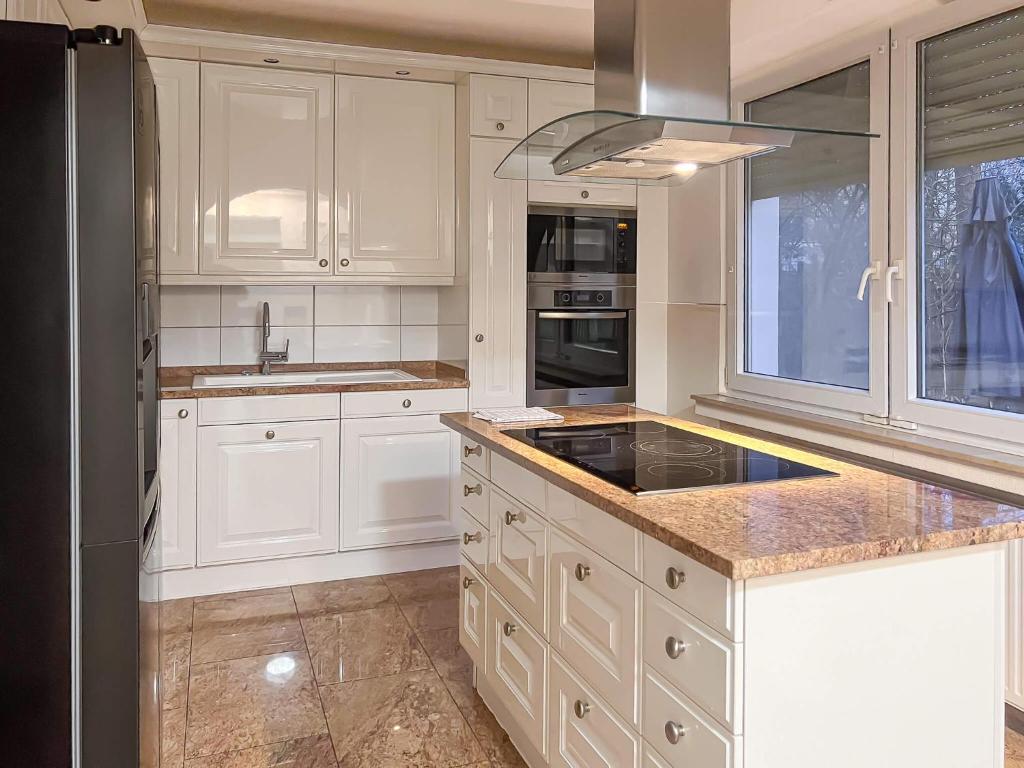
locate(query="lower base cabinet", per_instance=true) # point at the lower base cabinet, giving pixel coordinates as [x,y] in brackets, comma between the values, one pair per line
[177,484]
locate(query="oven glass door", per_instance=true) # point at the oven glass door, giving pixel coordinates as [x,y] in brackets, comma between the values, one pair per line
[581,350]
[562,244]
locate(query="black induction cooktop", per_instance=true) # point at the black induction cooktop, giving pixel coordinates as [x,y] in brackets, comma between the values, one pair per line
[647,457]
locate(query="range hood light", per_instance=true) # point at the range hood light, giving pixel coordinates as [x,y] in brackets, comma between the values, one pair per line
[635,163]
[685,169]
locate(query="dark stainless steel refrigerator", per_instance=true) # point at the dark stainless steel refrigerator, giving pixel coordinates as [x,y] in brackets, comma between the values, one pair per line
[79,645]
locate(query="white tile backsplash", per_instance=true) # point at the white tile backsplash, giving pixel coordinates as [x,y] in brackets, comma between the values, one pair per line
[419,342]
[452,342]
[358,305]
[189,346]
[241,346]
[419,305]
[357,343]
[242,305]
[190,306]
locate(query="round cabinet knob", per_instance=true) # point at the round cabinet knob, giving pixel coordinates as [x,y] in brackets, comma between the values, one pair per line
[582,571]
[407,403]
[508,628]
[674,578]
[271,434]
[674,732]
[580,709]
[478,338]
[469,490]
[500,126]
[584,194]
[474,451]
[183,413]
[323,262]
[467,582]
[674,647]
[467,538]
[511,517]
[344,262]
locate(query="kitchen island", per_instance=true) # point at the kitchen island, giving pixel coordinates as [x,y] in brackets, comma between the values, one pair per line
[849,620]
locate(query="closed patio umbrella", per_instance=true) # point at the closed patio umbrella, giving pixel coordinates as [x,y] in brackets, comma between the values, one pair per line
[993,298]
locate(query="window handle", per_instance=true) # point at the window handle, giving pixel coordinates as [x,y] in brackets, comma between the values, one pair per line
[872,271]
[892,274]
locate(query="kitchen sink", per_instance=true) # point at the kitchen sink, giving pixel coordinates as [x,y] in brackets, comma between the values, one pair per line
[292,378]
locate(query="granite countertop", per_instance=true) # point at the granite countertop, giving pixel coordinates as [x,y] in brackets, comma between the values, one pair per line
[176,383]
[747,531]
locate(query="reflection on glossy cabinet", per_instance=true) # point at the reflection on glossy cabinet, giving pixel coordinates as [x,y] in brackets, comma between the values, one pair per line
[400,474]
[177,98]
[497,224]
[395,144]
[178,483]
[497,106]
[267,490]
[267,171]
[518,557]
[44,11]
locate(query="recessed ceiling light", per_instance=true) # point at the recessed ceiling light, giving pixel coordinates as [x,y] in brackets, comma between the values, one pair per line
[272,60]
[635,163]
[402,72]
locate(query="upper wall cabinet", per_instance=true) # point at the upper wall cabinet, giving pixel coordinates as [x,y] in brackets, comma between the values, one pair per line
[45,11]
[267,169]
[395,177]
[550,100]
[498,106]
[177,99]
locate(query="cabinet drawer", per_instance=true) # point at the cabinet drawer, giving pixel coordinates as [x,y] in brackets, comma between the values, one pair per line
[517,669]
[473,614]
[517,482]
[706,667]
[582,729]
[565,193]
[619,542]
[403,401]
[473,540]
[518,557]
[497,106]
[473,495]
[476,457]
[252,410]
[652,759]
[701,742]
[707,594]
[595,622]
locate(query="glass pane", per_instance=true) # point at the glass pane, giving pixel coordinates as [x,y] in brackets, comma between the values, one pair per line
[581,353]
[971,291]
[808,237]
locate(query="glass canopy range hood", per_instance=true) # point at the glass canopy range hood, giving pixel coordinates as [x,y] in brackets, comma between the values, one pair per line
[661,92]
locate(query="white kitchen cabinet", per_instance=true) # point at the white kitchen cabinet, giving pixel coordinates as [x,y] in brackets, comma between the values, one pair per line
[497,243]
[473,614]
[267,171]
[268,490]
[400,476]
[551,99]
[395,143]
[177,98]
[44,11]
[177,466]
[571,191]
[517,564]
[1015,623]
[498,106]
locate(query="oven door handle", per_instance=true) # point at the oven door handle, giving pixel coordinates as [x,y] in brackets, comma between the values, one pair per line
[582,315]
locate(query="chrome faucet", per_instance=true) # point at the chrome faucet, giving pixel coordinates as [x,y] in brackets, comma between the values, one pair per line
[266,356]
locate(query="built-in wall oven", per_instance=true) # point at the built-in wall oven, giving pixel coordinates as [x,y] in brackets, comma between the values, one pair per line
[594,246]
[581,344]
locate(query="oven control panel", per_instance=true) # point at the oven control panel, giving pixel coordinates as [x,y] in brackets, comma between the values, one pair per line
[587,298]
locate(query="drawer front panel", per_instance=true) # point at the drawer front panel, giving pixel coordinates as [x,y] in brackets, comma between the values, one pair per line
[652,759]
[476,457]
[518,483]
[609,536]
[473,495]
[254,410]
[595,622]
[517,662]
[404,401]
[473,614]
[517,567]
[698,741]
[695,658]
[582,729]
[473,540]
[707,594]
[563,193]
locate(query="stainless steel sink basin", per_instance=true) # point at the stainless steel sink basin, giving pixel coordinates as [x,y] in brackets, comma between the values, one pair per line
[292,378]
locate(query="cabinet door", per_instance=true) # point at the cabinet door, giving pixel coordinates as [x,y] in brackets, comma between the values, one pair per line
[267,171]
[473,614]
[497,224]
[267,490]
[518,557]
[177,98]
[497,106]
[550,100]
[400,476]
[395,177]
[1015,623]
[178,483]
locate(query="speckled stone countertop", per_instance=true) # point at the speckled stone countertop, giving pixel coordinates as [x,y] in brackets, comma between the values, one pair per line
[176,383]
[747,531]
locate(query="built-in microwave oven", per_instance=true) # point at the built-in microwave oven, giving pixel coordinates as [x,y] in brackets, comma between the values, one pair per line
[581,245]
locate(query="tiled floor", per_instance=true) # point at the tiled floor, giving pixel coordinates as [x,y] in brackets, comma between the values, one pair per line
[364,673]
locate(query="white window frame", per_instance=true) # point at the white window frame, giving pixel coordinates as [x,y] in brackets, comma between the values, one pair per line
[951,421]
[825,399]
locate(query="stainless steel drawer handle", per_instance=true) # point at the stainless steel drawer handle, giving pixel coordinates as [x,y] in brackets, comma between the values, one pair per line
[344,262]
[508,628]
[584,194]
[582,571]
[479,338]
[469,490]
[183,413]
[511,517]
[675,647]
[580,709]
[674,732]
[500,126]
[271,434]
[407,403]
[323,262]
[468,538]
[467,582]
[476,451]
[674,578]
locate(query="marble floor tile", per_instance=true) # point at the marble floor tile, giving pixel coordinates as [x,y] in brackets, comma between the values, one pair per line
[360,644]
[420,586]
[406,720]
[172,738]
[1014,749]
[244,593]
[251,702]
[310,752]
[239,626]
[174,661]
[340,596]
[439,613]
[176,616]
